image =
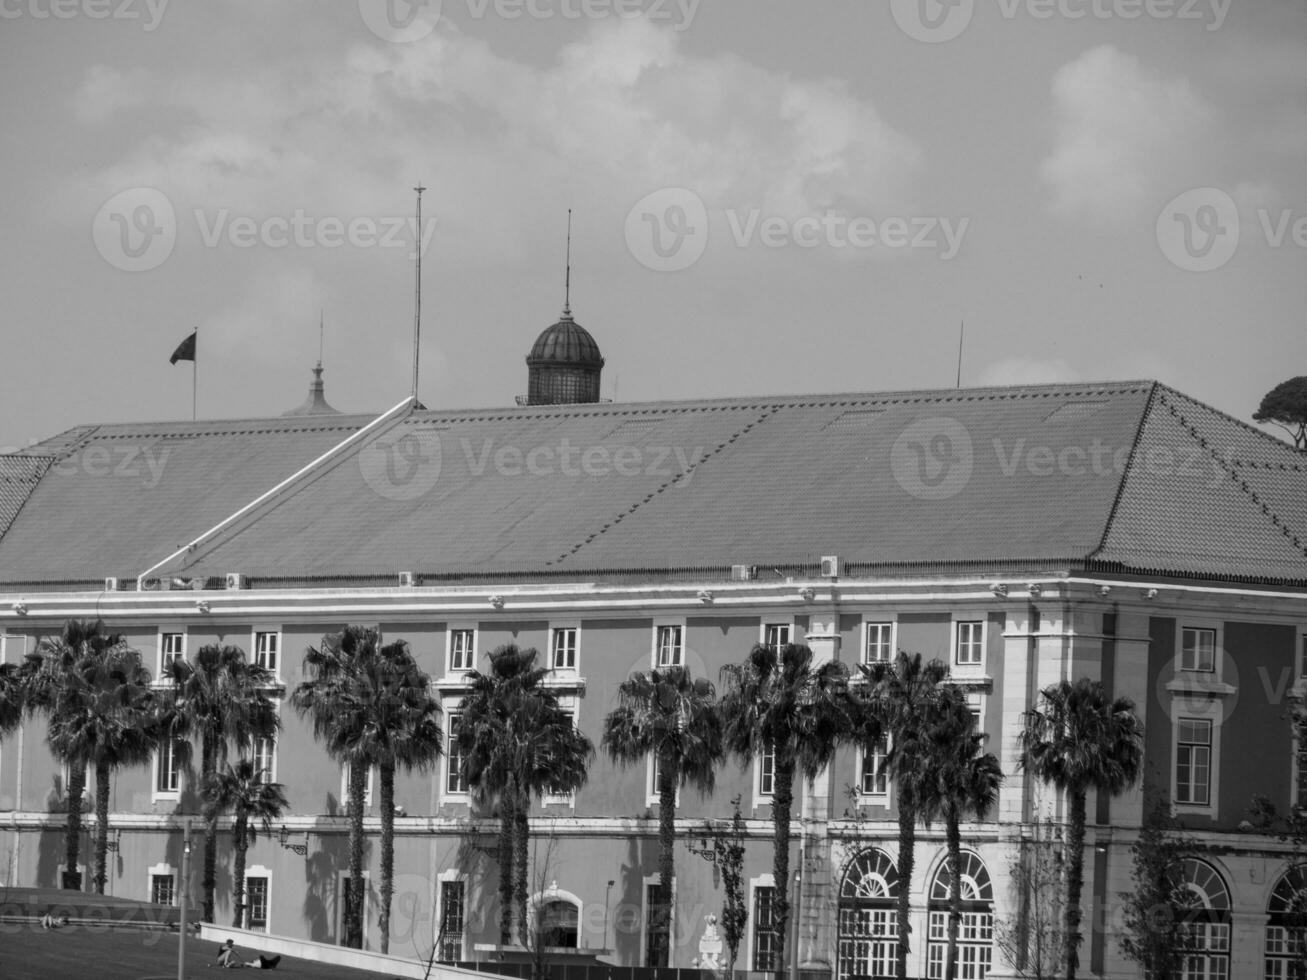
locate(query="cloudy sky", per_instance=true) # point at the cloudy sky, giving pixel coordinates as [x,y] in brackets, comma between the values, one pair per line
[770,196]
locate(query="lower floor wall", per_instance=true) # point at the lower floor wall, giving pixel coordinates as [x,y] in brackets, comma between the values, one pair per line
[591,881]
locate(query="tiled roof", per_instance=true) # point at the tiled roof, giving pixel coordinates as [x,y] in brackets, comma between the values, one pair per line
[1132,476]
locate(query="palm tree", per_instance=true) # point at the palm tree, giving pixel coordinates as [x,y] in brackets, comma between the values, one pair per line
[13,697]
[517,742]
[964,783]
[53,688]
[673,717]
[332,696]
[243,791]
[220,697]
[778,701]
[903,694]
[405,733]
[107,716]
[1078,739]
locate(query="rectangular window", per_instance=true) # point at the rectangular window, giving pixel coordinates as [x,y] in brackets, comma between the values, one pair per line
[168,767]
[1193,761]
[1300,763]
[668,646]
[776,634]
[345,891]
[657,926]
[971,649]
[767,772]
[880,643]
[764,928]
[875,780]
[462,649]
[172,646]
[265,650]
[162,889]
[453,916]
[454,755]
[344,784]
[256,903]
[1198,649]
[564,648]
[264,758]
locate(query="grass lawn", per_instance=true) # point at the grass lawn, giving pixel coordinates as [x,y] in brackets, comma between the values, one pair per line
[28,952]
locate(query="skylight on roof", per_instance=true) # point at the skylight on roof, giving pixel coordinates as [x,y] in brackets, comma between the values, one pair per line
[634,427]
[1075,411]
[856,419]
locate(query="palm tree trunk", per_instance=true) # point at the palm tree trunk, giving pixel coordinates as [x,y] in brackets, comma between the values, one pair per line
[506,870]
[358,782]
[781,806]
[954,834]
[240,841]
[669,776]
[387,777]
[907,856]
[209,765]
[1075,844]
[521,866]
[73,834]
[101,826]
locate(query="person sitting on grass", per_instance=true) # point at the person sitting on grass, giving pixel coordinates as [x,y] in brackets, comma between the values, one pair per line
[48,921]
[228,960]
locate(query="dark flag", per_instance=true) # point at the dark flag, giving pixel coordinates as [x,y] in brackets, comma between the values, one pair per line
[185,350]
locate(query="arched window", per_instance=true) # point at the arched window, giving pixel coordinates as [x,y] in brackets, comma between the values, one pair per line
[976,926]
[1286,929]
[868,933]
[559,923]
[1208,921]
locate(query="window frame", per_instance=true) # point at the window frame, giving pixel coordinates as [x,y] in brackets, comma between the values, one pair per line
[879,797]
[258,871]
[1183,628]
[767,622]
[667,622]
[276,632]
[369,786]
[656,880]
[1212,747]
[556,628]
[653,797]
[158,795]
[163,870]
[766,880]
[341,876]
[450,629]
[878,622]
[763,797]
[448,878]
[160,652]
[572,705]
[451,712]
[960,620]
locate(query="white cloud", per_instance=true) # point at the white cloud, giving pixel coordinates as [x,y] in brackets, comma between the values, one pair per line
[1026,371]
[1124,134]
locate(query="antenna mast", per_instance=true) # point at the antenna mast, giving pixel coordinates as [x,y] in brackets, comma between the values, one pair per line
[417,293]
[962,331]
[567,279]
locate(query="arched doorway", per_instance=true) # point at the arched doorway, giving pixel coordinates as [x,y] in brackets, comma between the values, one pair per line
[1208,920]
[1286,927]
[559,923]
[976,928]
[868,933]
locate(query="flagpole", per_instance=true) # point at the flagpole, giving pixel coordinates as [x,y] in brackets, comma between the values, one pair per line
[195,374]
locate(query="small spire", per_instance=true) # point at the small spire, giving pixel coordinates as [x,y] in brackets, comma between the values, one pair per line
[567,279]
[321,318]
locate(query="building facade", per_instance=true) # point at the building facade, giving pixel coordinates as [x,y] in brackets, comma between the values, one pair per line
[1123,532]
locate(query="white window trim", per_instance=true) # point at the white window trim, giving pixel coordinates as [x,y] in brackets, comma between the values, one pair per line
[259,871]
[759,797]
[555,894]
[776,621]
[1212,807]
[450,630]
[572,705]
[162,871]
[87,795]
[1299,652]
[451,707]
[164,796]
[452,874]
[653,639]
[272,767]
[767,880]
[873,799]
[654,798]
[341,875]
[868,620]
[158,657]
[344,786]
[969,670]
[1218,666]
[570,624]
[274,628]
[644,917]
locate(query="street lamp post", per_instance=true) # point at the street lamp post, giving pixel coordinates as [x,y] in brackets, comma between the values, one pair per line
[186,872]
